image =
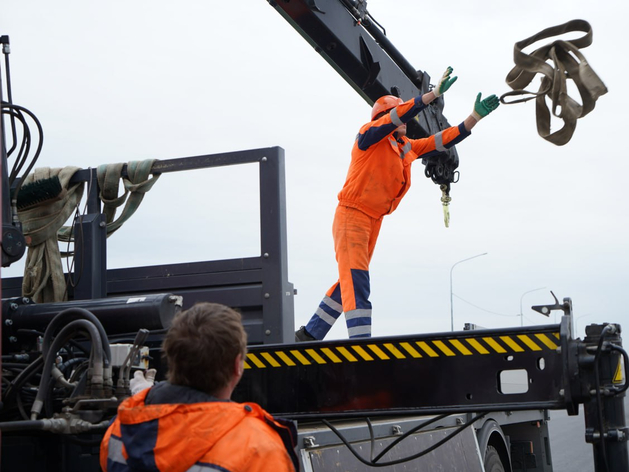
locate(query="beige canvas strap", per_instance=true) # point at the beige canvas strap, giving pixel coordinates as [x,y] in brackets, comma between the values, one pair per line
[558,62]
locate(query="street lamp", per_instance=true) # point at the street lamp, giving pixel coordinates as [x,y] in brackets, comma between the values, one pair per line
[451,305]
[521,314]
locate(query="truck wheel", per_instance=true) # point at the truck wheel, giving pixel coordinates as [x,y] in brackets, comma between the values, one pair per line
[492,460]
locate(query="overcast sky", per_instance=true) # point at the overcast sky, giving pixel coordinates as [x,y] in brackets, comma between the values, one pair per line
[133,80]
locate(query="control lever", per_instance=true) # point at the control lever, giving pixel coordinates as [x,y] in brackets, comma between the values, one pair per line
[122,386]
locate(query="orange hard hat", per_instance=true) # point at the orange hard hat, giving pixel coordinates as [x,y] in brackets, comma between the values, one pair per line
[385,103]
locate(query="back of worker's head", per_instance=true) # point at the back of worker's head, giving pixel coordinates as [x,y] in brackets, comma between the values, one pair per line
[201,347]
[383,105]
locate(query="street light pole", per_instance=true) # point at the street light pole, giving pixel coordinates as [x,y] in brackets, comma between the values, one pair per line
[451,304]
[521,314]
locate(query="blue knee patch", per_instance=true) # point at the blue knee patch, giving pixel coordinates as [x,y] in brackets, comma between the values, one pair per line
[362,288]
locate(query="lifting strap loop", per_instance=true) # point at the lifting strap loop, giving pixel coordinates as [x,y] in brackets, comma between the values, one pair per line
[568,63]
[136,184]
[43,272]
[108,176]
[43,227]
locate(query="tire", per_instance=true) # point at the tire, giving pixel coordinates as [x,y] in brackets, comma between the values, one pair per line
[492,460]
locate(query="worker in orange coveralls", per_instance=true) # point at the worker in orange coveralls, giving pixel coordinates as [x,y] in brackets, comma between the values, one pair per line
[378,178]
[188,423]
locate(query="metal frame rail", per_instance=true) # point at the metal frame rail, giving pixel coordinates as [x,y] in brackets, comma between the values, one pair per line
[257,286]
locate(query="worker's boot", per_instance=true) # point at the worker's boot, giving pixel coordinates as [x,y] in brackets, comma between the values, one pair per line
[302,335]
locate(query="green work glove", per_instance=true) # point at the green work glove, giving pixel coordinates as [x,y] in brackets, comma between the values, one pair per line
[482,108]
[444,83]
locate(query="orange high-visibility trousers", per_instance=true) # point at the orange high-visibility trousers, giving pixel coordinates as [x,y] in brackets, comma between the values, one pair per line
[355,235]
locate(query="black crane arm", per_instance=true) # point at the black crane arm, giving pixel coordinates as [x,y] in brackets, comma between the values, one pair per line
[356,46]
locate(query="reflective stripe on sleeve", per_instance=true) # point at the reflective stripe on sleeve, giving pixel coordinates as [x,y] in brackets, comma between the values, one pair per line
[394,118]
[406,148]
[439,142]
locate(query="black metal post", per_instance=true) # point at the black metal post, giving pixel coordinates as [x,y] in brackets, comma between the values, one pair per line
[277,292]
[90,263]
[605,425]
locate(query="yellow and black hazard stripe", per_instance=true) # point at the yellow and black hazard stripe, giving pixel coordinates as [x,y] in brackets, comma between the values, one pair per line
[262,358]
[619,378]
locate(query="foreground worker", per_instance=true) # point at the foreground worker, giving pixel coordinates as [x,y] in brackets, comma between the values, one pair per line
[378,178]
[188,422]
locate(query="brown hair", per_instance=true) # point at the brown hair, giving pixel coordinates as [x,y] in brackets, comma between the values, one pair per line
[202,345]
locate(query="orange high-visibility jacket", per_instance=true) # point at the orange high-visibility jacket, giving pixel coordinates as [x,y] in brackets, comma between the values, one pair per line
[380,170]
[206,436]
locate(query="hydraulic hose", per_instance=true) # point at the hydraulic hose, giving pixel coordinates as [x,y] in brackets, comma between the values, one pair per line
[32,425]
[76,313]
[96,358]
[21,379]
[55,425]
[39,145]
[6,49]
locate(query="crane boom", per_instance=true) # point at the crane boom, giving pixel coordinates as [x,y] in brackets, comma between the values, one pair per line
[356,46]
